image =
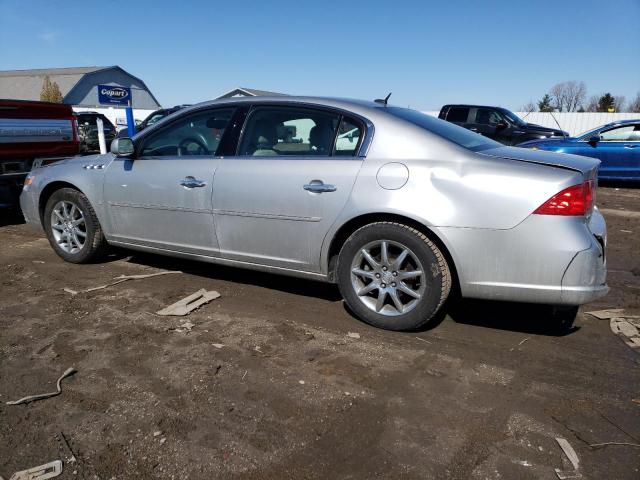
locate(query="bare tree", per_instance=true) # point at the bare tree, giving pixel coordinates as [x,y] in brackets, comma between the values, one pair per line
[568,96]
[634,105]
[592,103]
[529,107]
[619,103]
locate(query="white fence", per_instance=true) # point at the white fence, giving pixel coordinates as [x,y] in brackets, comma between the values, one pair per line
[573,122]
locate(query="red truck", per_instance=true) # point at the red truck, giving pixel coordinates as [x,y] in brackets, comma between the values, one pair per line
[32,134]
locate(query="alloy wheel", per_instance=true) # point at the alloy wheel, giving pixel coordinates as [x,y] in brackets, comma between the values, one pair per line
[68,226]
[387,277]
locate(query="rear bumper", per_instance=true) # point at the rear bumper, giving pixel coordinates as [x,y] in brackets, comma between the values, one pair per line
[545,259]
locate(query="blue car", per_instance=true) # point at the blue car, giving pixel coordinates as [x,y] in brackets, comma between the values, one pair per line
[616,145]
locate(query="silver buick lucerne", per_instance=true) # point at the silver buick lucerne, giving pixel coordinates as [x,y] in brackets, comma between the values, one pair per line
[396,207]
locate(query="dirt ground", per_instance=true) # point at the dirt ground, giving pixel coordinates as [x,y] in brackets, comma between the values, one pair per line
[268,384]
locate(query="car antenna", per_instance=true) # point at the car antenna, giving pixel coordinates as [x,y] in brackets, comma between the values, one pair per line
[564,135]
[383,101]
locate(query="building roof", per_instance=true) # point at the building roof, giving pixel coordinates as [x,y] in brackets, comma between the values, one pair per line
[27,84]
[249,92]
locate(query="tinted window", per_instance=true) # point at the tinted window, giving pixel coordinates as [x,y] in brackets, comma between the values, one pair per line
[197,134]
[271,131]
[349,135]
[458,135]
[486,116]
[620,134]
[458,114]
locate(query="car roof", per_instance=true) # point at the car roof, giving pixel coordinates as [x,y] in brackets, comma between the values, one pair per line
[362,107]
[621,122]
[468,105]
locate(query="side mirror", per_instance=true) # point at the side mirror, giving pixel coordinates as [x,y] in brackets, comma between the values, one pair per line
[595,139]
[122,147]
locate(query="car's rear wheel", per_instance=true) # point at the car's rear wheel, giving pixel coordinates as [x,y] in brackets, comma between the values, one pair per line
[72,227]
[392,276]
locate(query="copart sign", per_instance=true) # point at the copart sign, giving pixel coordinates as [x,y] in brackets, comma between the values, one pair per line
[113,95]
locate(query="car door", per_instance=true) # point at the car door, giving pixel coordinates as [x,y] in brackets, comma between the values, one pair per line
[619,151]
[277,198]
[162,197]
[489,122]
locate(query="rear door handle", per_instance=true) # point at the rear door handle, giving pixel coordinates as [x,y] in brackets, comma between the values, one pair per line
[319,187]
[192,182]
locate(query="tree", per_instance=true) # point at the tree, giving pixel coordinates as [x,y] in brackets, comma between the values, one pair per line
[634,105]
[528,107]
[50,91]
[606,103]
[618,103]
[568,96]
[544,104]
[592,104]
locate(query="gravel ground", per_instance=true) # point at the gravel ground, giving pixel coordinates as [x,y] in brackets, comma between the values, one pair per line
[269,384]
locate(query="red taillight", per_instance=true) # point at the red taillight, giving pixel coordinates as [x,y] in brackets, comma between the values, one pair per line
[575,200]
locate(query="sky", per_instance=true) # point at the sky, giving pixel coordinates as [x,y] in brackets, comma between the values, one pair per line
[428,53]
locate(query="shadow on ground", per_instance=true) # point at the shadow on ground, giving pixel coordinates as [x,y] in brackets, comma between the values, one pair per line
[296,286]
[10,216]
[517,317]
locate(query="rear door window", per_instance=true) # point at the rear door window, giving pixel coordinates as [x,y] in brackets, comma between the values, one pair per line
[458,114]
[288,131]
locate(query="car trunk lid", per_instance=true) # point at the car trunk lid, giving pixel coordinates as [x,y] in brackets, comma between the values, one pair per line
[585,165]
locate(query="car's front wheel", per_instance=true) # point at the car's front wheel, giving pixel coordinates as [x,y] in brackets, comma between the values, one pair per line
[392,276]
[72,227]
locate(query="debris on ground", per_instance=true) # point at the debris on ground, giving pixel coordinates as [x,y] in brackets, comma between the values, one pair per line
[63,440]
[157,433]
[611,313]
[596,445]
[218,345]
[573,458]
[353,335]
[185,327]
[626,330]
[33,398]
[519,344]
[190,303]
[42,472]
[117,280]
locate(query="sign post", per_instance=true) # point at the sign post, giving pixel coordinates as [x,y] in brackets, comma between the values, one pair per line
[114,95]
[131,125]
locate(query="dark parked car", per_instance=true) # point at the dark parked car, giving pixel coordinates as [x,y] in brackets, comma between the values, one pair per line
[153,117]
[616,145]
[88,131]
[497,123]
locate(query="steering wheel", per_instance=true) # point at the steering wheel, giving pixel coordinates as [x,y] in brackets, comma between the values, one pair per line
[185,147]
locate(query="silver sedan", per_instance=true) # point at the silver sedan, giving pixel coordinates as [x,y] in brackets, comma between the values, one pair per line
[396,207]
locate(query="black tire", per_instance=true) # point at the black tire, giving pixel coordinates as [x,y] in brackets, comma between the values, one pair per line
[435,282]
[95,245]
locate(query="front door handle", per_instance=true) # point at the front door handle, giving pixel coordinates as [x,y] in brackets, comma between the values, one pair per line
[631,146]
[192,182]
[317,186]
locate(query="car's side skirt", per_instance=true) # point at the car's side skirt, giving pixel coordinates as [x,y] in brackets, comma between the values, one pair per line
[224,261]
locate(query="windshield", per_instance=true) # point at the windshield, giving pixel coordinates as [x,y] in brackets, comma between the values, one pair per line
[512,117]
[448,131]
